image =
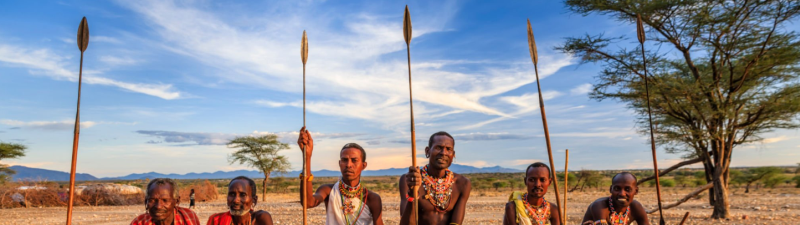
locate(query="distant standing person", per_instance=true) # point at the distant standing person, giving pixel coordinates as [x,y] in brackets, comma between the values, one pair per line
[161,201]
[191,199]
[241,200]
[530,207]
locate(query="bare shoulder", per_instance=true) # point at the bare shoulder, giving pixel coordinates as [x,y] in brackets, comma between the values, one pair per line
[372,196]
[325,187]
[553,206]
[599,203]
[263,216]
[510,206]
[461,180]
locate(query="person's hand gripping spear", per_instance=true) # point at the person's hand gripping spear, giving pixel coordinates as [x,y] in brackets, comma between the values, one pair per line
[83,43]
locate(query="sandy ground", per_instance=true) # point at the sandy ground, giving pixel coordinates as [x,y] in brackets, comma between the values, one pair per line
[765,206]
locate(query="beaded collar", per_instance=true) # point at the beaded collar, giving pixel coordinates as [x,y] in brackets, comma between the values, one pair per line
[347,195]
[539,215]
[615,217]
[438,190]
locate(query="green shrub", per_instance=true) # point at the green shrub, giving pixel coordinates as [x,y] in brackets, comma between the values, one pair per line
[667,183]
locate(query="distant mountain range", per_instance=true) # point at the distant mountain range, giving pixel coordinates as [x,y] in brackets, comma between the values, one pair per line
[27,173]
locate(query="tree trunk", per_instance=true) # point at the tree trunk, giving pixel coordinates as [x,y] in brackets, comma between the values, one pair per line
[747,188]
[264,184]
[721,206]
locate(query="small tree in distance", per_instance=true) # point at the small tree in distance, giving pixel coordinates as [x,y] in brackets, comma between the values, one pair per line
[261,153]
[9,151]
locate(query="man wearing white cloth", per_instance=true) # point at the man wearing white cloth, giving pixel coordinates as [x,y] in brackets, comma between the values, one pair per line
[344,200]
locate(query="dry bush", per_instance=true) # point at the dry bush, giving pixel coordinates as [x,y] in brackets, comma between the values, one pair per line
[47,194]
[203,191]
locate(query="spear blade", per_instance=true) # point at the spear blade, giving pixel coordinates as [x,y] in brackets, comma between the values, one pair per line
[304,48]
[532,45]
[639,29]
[83,35]
[407,26]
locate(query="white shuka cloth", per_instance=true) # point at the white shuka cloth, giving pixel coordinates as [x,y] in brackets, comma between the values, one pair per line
[335,216]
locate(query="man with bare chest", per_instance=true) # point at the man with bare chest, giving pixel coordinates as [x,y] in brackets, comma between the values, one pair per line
[620,208]
[347,202]
[442,194]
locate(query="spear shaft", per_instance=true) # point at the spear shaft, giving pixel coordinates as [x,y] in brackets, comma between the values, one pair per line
[641,37]
[83,43]
[407,36]
[76,135]
[535,57]
[566,180]
[304,58]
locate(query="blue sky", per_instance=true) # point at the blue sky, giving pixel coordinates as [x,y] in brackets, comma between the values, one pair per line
[166,84]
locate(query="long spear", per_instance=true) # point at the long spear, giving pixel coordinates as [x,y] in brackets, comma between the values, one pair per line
[640,36]
[83,42]
[304,58]
[535,58]
[566,181]
[407,36]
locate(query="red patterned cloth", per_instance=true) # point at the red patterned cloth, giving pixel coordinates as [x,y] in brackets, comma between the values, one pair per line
[183,216]
[220,218]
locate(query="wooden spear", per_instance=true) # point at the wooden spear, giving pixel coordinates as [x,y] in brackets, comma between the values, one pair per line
[83,43]
[566,182]
[304,58]
[535,58]
[640,36]
[685,216]
[407,37]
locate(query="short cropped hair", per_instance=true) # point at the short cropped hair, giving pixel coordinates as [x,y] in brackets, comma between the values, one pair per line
[162,181]
[635,181]
[538,164]
[430,141]
[356,146]
[253,188]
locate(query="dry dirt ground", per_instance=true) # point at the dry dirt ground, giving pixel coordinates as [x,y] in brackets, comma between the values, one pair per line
[765,206]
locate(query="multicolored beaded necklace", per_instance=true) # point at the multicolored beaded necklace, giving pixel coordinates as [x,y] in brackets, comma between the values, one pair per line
[615,217]
[347,195]
[438,189]
[540,215]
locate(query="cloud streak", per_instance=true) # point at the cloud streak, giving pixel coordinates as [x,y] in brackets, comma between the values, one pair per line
[46,63]
[54,125]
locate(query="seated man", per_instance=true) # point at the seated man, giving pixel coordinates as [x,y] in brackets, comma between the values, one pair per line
[443,196]
[620,208]
[161,201]
[528,208]
[346,201]
[241,199]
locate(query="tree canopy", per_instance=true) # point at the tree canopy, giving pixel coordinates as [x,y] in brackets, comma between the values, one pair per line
[9,151]
[260,153]
[721,74]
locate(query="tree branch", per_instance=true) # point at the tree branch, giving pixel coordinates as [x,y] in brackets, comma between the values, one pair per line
[685,198]
[670,169]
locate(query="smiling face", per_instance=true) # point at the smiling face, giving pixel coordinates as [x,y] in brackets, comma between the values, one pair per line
[537,180]
[240,197]
[441,152]
[351,163]
[161,203]
[623,188]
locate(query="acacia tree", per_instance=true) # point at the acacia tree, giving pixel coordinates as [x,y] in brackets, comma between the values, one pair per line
[261,153]
[721,74]
[9,151]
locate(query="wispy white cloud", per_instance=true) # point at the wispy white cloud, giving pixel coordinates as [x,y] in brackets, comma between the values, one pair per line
[204,138]
[56,125]
[774,139]
[581,89]
[360,82]
[46,63]
[118,61]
